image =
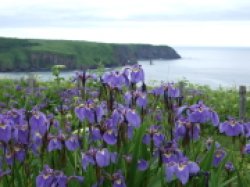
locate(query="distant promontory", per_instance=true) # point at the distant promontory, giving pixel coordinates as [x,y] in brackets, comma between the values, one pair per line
[41,55]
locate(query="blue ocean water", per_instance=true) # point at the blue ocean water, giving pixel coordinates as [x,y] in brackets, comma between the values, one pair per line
[227,67]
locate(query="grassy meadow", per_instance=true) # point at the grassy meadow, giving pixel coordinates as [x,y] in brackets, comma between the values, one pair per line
[114,130]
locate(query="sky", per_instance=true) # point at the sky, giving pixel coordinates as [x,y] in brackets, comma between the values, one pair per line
[167,22]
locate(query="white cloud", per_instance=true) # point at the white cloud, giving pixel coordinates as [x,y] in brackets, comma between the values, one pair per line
[119,8]
[173,22]
[172,33]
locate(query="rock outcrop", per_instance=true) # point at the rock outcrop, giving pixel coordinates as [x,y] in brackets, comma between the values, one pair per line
[130,54]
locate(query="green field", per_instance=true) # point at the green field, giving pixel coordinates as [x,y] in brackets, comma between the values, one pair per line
[38,55]
[55,132]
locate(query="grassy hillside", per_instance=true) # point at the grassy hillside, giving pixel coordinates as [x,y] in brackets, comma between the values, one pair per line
[33,54]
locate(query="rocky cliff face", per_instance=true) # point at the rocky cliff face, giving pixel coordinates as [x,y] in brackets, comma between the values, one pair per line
[130,54]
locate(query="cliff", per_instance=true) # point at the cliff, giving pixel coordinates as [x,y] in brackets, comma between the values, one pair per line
[39,55]
[133,53]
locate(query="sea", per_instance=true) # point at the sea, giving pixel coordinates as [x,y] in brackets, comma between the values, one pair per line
[213,66]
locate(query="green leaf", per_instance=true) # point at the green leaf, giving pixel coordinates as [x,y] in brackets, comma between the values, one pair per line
[227,182]
[132,170]
[206,163]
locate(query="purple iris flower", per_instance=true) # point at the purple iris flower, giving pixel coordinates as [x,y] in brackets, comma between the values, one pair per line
[181,128]
[141,100]
[158,138]
[106,131]
[113,157]
[103,157]
[169,156]
[110,131]
[38,122]
[246,129]
[21,134]
[49,177]
[35,149]
[5,131]
[137,74]
[117,117]
[231,127]
[184,128]
[142,165]
[17,116]
[118,180]
[209,142]
[157,91]
[170,152]
[168,88]
[56,124]
[154,135]
[114,79]
[126,74]
[110,136]
[90,111]
[247,149]
[61,180]
[133,118]
[194,133]
[9,156]
[72,143]
[158,116]
[45,178]
[219,155]
[3,173]
[54,144]
[229,167]
[179,111]
[80,112]
[181,170]
[214,118]
[95,134]
[99,112]
[36,139]
[128,98]
[172,90]
[200,113]
[87,159]
[19,153]
[94,94]
[130,131]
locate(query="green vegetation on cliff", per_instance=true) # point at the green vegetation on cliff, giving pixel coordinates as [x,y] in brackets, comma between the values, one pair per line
[33,54]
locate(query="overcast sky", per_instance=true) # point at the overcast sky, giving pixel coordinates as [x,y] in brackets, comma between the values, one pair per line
[171,22]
